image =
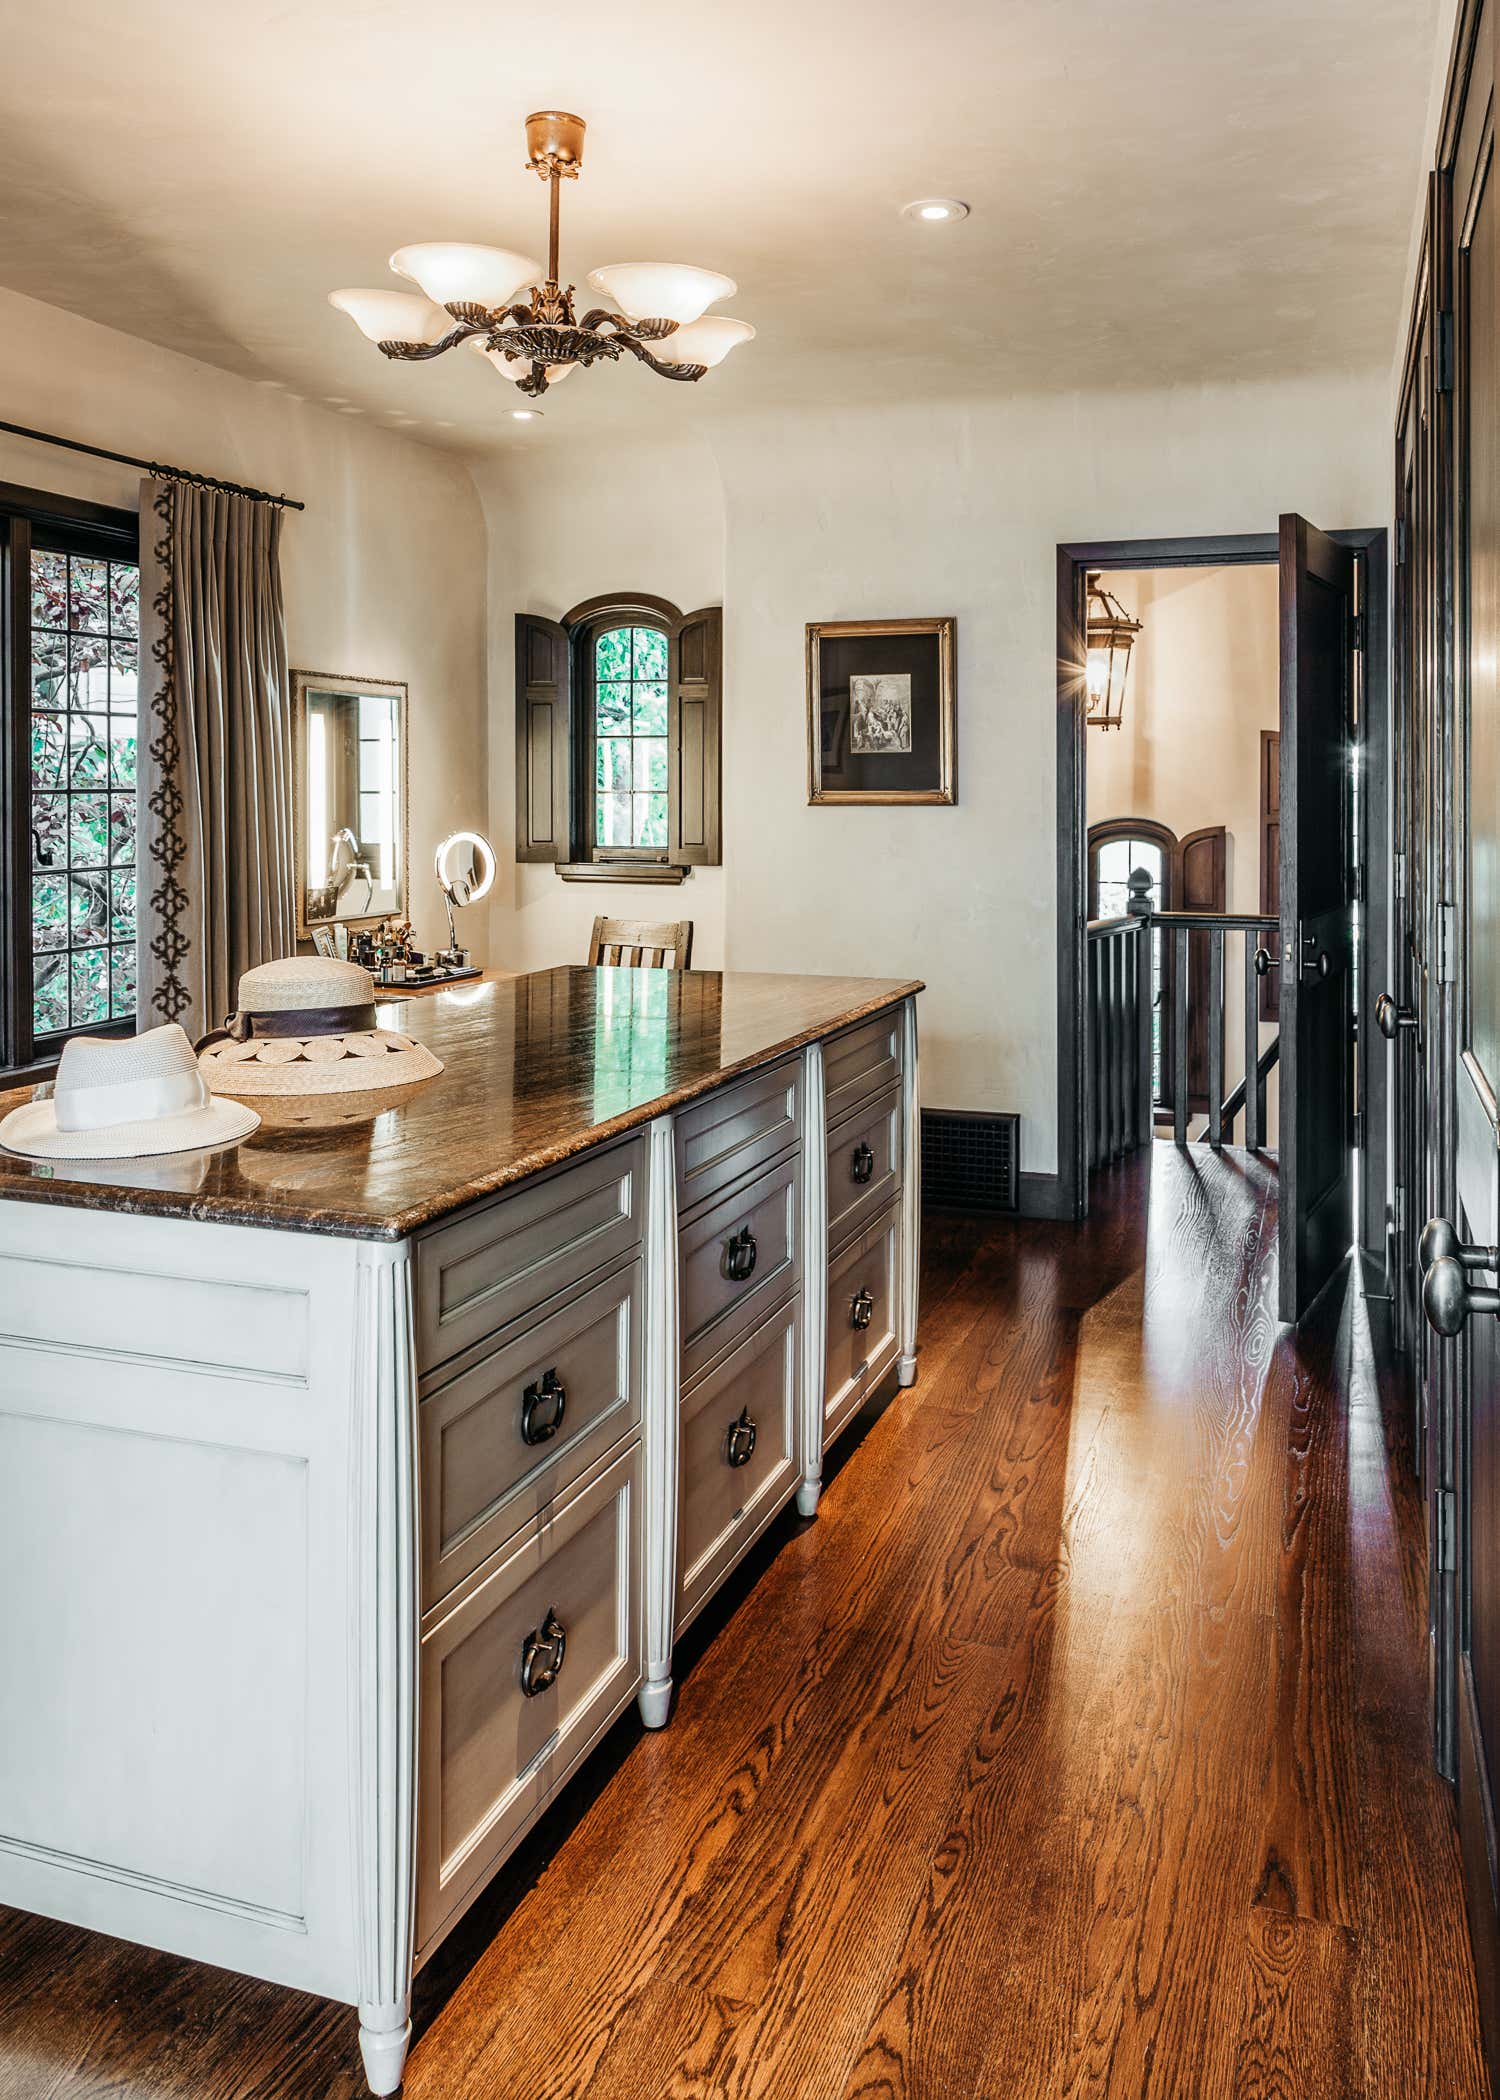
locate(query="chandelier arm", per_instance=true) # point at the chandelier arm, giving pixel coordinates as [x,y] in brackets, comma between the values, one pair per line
[419,352]
[638,349]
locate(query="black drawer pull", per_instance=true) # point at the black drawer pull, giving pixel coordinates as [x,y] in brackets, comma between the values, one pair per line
[861,1162]
[739,1448]
[542,1655]
[543,1406]
[739,1256]
[862,1311]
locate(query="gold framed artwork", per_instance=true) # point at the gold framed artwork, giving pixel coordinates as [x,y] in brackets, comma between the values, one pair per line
[880,710]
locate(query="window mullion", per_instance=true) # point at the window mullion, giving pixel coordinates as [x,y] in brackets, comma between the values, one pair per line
[15,837]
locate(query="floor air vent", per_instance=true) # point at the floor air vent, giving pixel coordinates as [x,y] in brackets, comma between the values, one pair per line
[969,1160]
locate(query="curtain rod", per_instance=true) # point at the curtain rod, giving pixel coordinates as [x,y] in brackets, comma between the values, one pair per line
[151,466]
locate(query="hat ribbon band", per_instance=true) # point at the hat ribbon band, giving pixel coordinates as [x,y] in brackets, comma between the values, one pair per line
[130,1101]
[303,1021]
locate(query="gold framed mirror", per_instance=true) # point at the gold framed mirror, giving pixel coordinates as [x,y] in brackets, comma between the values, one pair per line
[349,789]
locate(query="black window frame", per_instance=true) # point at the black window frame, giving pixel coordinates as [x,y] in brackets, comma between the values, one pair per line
[56,524]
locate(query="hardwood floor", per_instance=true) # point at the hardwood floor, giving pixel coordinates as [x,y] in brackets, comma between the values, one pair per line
[1077,1748]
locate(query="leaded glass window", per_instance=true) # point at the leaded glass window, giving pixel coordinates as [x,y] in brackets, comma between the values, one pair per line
[85,625]
[630,739]
[1118,859]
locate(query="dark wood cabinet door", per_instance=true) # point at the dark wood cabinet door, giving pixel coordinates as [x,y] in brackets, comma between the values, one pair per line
[1317,1040]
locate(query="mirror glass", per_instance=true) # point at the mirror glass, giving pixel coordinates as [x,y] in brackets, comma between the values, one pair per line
[351,796]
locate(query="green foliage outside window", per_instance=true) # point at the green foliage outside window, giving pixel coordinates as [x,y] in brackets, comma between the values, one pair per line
[630,738]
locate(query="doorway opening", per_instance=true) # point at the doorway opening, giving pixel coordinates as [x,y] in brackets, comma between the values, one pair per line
[1175,929]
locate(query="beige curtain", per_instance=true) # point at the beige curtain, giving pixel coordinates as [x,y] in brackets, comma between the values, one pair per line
[214,802]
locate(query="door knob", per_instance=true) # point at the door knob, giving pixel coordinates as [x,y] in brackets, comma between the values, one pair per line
[1448,1297]
[1390,1018]
[1316,966]
[1266,962]
[1440,1242]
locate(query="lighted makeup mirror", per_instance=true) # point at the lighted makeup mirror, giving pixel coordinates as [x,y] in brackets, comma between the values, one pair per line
[465,865]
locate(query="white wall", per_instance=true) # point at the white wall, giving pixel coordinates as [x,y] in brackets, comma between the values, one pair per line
[384,572]
[567,524]
[960,510]
[1204,683]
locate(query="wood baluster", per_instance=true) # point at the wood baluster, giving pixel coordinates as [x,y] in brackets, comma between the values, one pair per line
[1145,1016]
[1116,951]
[1180,1036]
[1216,1038]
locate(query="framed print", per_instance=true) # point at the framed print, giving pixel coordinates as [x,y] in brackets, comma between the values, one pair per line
[880,707]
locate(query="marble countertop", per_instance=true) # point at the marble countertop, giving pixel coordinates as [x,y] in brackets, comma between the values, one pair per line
[536,1069]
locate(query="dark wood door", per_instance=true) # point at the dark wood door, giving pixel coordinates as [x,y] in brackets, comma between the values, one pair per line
[1419,1002]
[1200,863]
[1317,1041]
[1469,953]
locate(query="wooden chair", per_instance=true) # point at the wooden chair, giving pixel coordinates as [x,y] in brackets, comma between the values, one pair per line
[638,943]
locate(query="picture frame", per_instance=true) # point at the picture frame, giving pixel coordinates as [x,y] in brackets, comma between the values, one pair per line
[881,702]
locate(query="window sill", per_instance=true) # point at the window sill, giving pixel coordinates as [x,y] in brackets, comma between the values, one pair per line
[620,871]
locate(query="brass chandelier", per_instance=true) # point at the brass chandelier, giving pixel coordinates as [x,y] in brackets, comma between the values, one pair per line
[1110,635]
[472,294]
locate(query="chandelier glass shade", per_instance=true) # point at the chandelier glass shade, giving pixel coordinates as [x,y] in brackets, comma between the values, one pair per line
[527,324]
[1109,637]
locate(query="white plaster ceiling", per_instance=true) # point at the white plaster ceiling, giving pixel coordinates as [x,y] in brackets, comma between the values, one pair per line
[1162,190]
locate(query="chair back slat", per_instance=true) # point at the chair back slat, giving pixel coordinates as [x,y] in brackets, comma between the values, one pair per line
[635,944]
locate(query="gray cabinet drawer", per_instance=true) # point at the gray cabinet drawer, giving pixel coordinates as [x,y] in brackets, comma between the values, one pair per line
[756,1224]
[491,1757]
[732,1132]
[481,1272]
[744,1410]
[862,1296]
[862,1061]
[481,1477]
[864,1164]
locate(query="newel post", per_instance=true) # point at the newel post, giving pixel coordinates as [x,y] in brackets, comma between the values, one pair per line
[1138,906]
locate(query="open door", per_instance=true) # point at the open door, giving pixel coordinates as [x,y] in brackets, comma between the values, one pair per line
[1317,935]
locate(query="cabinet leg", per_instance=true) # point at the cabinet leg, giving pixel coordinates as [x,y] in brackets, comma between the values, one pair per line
[384,2038]
[809,1493]
[906,1371]
[655,1702]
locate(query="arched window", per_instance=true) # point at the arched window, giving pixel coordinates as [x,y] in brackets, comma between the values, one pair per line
[617,738]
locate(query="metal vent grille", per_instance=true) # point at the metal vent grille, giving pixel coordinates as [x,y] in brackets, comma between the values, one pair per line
[969,1160]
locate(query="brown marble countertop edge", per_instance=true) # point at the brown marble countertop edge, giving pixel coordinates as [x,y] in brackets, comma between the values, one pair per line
[401,1225]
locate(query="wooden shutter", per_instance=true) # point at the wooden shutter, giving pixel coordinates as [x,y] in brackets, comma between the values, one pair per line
[695,713]
[1200,887]
[543,771]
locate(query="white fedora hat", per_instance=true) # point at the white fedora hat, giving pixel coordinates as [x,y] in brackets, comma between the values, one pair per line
[307,1025]
[127,1097]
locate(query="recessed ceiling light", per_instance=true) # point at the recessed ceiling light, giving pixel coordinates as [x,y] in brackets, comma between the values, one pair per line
[936,211]
[526,415]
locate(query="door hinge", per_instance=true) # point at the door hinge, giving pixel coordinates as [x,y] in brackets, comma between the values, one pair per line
[1447,933]
[1400,864]
[1359,1130]
[1358,874]
[1356,630]
[1445,1523]
[1445,357]
[1398,1209]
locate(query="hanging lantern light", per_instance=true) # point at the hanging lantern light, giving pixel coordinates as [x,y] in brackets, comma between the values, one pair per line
[1110,633]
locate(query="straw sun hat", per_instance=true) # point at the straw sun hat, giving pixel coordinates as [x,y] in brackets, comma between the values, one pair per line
[126,1098]
[307,1025]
